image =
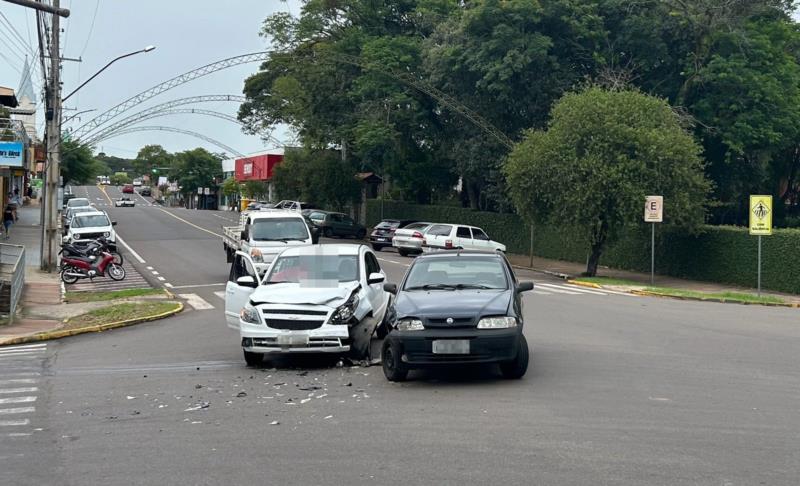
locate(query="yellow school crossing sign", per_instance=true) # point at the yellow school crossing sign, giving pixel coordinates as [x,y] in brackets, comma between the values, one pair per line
[760,215]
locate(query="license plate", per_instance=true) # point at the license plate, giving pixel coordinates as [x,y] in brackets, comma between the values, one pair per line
[292,340]
[451,346]
[381,239]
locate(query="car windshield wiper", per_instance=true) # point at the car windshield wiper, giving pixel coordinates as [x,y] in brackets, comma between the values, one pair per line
[473,286]
[432,287]
[285,240]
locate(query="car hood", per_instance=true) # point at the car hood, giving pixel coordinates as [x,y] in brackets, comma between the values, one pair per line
[293,293]
[451,303]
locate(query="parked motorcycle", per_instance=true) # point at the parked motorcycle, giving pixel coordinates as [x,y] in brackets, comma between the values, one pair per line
[88,249]
[75,268]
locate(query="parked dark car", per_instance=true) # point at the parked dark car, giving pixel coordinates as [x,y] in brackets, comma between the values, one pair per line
[456,308]
[144,191]
[336,224]
[383,232]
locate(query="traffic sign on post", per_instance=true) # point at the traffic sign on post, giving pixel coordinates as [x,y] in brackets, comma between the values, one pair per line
[761,215]
[654,209]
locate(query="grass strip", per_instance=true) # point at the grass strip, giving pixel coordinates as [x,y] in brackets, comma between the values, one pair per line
[120,312]
[73,297]
[726,296]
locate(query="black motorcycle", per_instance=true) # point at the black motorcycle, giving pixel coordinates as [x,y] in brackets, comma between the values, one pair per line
[90,249]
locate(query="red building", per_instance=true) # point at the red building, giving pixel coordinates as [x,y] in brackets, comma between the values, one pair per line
[257,167]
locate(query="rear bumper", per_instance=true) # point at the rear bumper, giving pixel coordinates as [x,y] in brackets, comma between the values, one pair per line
[485,346]
[380,240]
[407,244]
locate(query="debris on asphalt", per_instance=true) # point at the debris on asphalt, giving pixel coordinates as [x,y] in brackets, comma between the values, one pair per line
[274,422]
[197,387]
[327,417]
[130,397]
[302,373]
[305,400]
[241,394]
[198,407]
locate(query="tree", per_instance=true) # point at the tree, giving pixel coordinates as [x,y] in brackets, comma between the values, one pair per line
[318,176]
[196,168]
[601,154]
[151,157]
[230,187]
[78,165]
[120,178]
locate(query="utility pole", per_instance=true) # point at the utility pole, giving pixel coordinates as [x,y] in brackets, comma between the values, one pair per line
[52,240]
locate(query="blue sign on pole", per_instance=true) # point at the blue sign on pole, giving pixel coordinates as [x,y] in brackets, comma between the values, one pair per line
[11,154]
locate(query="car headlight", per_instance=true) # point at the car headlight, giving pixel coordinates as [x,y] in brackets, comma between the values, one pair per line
[346,311]
[256,255]
[106,234]
[76,236]
[410,325]
[249,314]
[497,322]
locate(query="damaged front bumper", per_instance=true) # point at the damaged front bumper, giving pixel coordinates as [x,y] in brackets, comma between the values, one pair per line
[326,339]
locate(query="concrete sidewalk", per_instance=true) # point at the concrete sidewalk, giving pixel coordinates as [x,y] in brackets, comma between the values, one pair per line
[570,270]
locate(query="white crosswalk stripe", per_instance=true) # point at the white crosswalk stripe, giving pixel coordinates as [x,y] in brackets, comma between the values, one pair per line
[19,380]
[573,288]
[11,423]
[197,302]
[220,294]
[551,289]
[9,391]
[4,401]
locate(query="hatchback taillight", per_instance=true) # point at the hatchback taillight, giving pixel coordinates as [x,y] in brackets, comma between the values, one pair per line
[448,244]
[417,234]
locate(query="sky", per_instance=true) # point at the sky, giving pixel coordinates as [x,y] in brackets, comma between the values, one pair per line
[187,34]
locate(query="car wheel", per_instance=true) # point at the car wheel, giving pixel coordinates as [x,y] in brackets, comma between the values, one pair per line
[402,252]
[393,367]
[377,247]
[253,359]
[516,368]
[327,233]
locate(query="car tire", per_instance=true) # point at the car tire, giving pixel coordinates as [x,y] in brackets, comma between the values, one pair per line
[402,252]
[393,367]
[516,368]
[253,359]
[327,232]
[377,247]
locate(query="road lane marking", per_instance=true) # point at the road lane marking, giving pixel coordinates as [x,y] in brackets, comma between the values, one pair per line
[220,294]
[13,411]
[8,391]
[161,279]
[541,292]
[17,352]
[396,263]
[154,272]
[12,423]
[25,346]
[557,290]
[149,268]
[190,223]
[18,381]
[3,401]
[571,289]
[169,286]
[198,285]
[196,301]
[130,250]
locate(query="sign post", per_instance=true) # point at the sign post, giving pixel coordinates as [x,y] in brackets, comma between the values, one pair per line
[653,213]
[760,224]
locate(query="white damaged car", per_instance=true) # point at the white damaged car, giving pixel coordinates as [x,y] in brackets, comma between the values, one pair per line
[312,299]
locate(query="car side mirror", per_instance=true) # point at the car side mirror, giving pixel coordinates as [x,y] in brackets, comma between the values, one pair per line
[113,223]
[390,287]
[375,278]
[247,281]
[315,235]
[524,287]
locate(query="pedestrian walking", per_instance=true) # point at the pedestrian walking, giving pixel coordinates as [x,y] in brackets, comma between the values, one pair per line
[9,216]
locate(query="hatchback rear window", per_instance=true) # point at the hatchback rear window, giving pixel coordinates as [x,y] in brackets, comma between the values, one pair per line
[440,230]
[388,224]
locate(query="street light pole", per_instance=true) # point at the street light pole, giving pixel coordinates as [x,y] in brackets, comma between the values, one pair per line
[146,49]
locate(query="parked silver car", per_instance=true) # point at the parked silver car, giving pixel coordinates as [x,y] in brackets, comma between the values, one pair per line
[408,240]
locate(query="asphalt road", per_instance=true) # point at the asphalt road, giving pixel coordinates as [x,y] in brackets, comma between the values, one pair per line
[621,390]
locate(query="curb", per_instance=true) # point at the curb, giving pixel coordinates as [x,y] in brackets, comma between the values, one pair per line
[48,335]
[581,283]
[562,276]
[793,305]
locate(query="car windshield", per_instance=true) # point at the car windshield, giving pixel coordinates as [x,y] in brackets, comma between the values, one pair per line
[90,221]
[314,270]
[73,203]
[388,225]
[279,229]
[457,272]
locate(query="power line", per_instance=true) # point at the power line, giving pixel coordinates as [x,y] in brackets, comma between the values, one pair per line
[91,29]
[21,41]
[12,48]
[11,63]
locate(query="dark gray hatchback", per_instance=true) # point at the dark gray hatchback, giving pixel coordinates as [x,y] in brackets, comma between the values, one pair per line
[455,308]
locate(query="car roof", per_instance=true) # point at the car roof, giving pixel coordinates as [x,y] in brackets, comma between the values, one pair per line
[78,199]
[91,213]
[335,249]
[456,253]
[278,213]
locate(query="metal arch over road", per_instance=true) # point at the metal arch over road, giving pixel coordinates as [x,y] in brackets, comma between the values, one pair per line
[159,108]
[406,78]
[167,85]
[176,130]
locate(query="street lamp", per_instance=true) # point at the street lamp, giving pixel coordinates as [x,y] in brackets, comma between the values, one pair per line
[76,114]
[146,49]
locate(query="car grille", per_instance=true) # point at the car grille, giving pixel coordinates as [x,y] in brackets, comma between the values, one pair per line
[89,236]
[293,325]
[295,312]
[313,342]
[442,322]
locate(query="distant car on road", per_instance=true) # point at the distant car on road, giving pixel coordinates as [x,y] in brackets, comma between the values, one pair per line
[337,224]
[137,182]
[456,308]
[124,201]
[127,189]
[408,240]
[382,234]
[458,237]
[144,191]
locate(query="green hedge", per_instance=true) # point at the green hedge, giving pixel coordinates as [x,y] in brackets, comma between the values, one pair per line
[720,254]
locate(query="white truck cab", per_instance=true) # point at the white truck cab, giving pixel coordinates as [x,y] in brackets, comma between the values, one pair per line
[264,234]
[312,299]
[91,225]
